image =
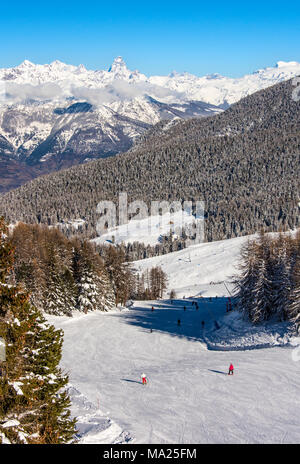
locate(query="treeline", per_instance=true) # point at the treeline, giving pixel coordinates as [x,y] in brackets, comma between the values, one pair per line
[63,275]
[151,284]
[34,403]
[66,274]
[137,250]
[268,286]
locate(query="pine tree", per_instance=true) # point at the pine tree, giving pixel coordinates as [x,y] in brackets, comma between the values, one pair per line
[262,292]
[244,283]
[34,406]
[94,288]
[282,265]
[269,279]
[60,292]
[294,307]
[294,301]
[119,273]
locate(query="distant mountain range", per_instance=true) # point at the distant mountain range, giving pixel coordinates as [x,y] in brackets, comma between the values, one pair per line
[243,162]
[56,115]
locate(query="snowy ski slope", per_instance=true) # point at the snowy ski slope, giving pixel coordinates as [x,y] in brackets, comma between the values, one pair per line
[189,398]
[199,269]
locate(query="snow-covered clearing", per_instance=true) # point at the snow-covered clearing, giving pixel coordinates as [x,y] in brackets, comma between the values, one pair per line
[150,229]
[189,398]
[199,269]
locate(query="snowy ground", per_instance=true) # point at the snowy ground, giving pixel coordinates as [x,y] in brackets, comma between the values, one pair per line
[189,398]
[150,229]
[205,269]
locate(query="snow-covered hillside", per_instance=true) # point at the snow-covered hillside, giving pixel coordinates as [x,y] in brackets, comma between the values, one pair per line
[204,269]
[189,397]
[148,230]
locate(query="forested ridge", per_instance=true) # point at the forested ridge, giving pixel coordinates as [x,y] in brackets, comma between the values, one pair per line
[244,163]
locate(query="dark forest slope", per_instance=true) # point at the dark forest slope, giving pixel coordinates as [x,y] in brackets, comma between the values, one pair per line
[244,163]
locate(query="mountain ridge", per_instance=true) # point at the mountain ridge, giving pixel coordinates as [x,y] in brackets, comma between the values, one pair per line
[212,88]
[56,115]
[226,160]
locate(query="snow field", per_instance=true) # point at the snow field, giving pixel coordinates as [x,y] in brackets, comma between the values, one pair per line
[189,398]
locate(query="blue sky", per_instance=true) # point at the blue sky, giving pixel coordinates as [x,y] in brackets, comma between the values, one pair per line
[230,38]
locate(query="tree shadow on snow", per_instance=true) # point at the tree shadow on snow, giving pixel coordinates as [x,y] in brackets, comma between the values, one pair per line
[178,317]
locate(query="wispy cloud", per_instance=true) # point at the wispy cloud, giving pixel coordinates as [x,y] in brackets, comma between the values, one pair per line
[118,90]
[21,92]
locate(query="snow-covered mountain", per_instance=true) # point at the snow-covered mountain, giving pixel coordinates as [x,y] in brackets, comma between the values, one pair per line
[56,115]
[58,80]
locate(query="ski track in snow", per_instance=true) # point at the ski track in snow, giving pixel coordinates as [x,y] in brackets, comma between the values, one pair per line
[189,398]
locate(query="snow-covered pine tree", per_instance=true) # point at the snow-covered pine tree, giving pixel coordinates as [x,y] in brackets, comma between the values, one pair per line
[94,288]
[263,291]
[60,292]
[245,281]
[294,306]
[282,265]
[269,279]
[34,407]
[69,290]
[294,300]
[55,424]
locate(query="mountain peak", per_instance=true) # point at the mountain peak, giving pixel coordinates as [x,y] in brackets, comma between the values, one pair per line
[26,64]
[117,65]
[58,64]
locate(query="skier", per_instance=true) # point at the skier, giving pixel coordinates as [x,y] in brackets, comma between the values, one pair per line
[231,369]
[178,322]
[216,325]
[184,308]
[152,309]
[203,323]
[144,379]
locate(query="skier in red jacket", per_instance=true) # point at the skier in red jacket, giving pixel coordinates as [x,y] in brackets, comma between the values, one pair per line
[231,369]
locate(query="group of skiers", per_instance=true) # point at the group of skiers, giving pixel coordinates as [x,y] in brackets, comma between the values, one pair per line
[228,308]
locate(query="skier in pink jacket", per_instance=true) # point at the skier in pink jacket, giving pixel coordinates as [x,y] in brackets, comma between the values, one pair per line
[231,369]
